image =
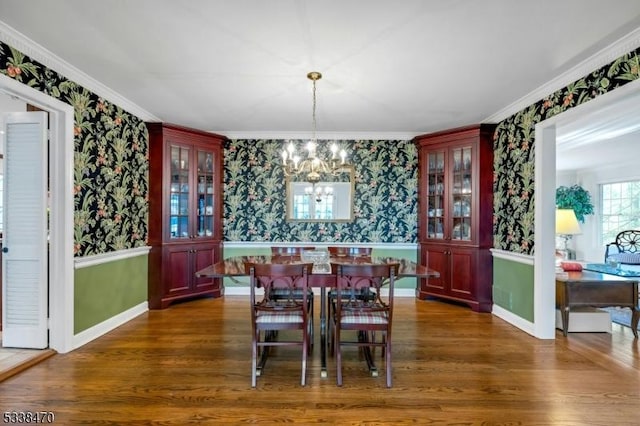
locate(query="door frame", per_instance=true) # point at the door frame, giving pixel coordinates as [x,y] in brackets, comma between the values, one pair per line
[545,190]
[61,167]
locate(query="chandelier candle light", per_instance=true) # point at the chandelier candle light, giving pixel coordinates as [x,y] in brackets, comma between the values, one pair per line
[313,166]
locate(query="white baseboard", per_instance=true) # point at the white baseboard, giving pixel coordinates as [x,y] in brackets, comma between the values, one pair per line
[515,320]
[104,327]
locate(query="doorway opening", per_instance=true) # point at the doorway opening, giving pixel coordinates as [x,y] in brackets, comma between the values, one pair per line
[545,189]
[61,278]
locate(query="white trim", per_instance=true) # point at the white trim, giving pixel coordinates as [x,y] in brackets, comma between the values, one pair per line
[605,56]
[544,290]
[274,134]
[106,326]
[98,259]
[515,257]
[513,319]
[268,244]
[36,52]
[61,290]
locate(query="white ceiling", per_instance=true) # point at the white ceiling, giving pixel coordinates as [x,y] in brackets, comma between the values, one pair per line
[607,136]
[239,67]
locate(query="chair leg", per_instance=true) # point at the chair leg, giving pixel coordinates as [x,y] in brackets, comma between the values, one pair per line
[310,325]
[269,335]
[305,346]
[254,358]
[332,340]
[387,346]
[338,350]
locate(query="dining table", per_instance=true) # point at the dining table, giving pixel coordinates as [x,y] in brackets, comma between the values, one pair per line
[320,277]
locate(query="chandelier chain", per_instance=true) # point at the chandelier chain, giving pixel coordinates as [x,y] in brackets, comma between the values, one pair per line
[314,167]
[313,112]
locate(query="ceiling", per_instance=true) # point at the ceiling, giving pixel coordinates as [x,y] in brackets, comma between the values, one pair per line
[607,136]
[239,67]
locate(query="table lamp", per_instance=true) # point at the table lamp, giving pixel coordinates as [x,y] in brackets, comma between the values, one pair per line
[567,226]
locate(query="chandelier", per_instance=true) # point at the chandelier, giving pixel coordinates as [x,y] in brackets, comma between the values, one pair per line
[313,167]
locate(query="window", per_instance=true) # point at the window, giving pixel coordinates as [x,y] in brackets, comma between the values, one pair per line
[620,203]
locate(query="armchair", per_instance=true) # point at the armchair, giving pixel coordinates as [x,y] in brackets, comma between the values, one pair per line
[625,249]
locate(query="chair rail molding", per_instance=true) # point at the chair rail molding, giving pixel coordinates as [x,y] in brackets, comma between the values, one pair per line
[515,257]
[98,259]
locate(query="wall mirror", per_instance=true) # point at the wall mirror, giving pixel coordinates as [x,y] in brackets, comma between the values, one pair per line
[330,200]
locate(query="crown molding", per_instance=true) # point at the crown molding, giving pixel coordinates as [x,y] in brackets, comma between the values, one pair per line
[605,56]
[319,135]
[35,51]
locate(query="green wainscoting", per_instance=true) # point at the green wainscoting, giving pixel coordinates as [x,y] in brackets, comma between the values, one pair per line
[387,251]
[513,287]
[108,289]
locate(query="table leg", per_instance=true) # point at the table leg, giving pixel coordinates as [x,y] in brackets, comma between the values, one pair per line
[323,333]
[634,321]
[564,311]
[363,336]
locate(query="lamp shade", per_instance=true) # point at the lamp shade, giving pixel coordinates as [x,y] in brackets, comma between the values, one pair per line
[567,222]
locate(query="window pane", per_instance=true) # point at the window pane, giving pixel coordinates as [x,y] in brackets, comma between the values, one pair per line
[620,206]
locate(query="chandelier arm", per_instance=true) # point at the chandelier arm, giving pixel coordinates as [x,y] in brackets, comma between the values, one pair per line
[313,166]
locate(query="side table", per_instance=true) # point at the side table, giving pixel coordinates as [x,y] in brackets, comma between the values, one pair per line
[588,288]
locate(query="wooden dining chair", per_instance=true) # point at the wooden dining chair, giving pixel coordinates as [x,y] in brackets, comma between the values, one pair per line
[347,252]
[269,315]
[295,251]
[367,318]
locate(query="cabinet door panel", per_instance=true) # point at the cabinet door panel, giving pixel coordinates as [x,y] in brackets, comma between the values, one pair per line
[206,193]
[435,173]
[438,260]
[460,217]
[178,276]
[461,277]
[179,226]
[203,256]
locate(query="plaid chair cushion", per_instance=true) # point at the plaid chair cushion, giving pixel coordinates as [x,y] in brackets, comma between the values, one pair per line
[356,317]
[279,317]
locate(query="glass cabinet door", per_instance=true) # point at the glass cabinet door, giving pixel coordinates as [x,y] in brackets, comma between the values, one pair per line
[206,200]
[179,226]
[461,187]
[436,194]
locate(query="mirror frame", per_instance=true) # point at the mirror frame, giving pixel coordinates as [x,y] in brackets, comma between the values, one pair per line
[345,170]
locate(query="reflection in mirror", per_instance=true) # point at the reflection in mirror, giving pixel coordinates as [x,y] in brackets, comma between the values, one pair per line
[330,200]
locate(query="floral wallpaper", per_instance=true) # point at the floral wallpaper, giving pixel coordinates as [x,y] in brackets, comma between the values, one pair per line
[385,201]
[111,171]
[514,197]
[110,160]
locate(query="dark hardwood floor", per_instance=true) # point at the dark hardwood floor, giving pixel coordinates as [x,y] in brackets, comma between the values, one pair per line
[191,364]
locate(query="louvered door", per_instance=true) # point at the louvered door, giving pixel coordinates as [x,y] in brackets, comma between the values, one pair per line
[24,259]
